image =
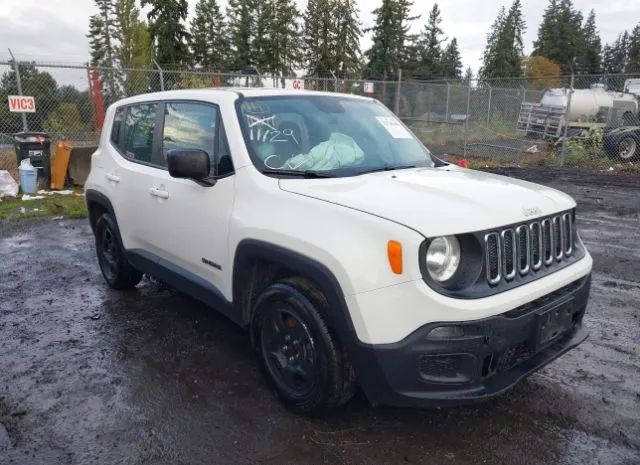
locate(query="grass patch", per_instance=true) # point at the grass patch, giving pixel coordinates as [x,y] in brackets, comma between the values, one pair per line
[68,206]
[442,133]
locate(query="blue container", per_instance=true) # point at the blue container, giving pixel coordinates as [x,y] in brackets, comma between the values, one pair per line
[28,180]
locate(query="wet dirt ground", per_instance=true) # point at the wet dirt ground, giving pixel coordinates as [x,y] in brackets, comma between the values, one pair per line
[91,375]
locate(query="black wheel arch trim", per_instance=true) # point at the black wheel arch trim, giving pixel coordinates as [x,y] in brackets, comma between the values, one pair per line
[93,196]
[361,358]
[253,249]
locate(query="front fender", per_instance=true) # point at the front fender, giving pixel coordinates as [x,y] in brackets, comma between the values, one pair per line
[350,243]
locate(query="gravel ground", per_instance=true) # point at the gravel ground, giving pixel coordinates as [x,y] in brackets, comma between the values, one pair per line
[91,375]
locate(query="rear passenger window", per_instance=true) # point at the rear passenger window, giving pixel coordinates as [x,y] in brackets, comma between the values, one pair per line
[190,126]
[138,132]
[117,126]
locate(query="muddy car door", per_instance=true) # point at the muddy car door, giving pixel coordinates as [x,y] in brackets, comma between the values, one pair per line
[190,217]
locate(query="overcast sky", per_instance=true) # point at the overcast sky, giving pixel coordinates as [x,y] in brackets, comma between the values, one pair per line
[54,30]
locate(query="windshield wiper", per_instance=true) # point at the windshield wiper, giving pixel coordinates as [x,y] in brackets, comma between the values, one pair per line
[297,173]
[387,168]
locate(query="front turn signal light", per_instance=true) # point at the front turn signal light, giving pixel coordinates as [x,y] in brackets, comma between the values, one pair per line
[394,253]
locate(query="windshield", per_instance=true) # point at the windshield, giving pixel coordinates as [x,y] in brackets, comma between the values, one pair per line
[326,135]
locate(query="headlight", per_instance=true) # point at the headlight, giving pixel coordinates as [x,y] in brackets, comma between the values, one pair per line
[443,258]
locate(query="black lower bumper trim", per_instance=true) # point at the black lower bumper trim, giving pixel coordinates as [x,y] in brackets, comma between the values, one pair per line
[473,360]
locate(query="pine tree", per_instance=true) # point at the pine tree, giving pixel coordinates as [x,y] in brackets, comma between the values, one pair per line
[242,26]
[616,55]
[319,37]
[261,53]
[503,53]
[547,40]
[408,46]
[209,44]
[468,76]
[430,48]
[517,28]
[348,59]
[591,60]
[392,44]
[633,55]
[491,50]
[283,31]
[167,30]
[560,35]
[451,65]
[103,40]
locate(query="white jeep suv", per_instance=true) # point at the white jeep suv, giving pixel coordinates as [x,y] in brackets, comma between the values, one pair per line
[351,254]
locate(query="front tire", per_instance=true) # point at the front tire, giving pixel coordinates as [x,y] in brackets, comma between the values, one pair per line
[302,361]
[115,267]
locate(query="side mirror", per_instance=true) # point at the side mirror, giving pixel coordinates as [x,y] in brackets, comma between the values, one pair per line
[188,164]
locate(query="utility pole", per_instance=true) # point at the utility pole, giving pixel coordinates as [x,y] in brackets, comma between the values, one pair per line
[566,117]
[161,75]
[489,105]
[398,89]
[25,126]
[466,121]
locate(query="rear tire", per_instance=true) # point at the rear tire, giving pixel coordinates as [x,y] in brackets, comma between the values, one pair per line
[628,148]
[301,359]
[115,267]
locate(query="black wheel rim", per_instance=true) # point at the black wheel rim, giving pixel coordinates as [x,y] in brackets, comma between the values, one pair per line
[108,254]
[289,352]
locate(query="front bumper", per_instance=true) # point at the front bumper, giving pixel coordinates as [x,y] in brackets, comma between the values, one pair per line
[484,359]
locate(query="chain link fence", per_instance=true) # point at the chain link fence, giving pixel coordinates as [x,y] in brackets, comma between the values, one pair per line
[588,122]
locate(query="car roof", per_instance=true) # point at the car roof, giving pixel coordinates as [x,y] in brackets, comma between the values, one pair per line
[226,92]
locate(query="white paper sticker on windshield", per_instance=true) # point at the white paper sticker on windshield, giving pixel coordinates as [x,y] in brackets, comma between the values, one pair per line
[394,127]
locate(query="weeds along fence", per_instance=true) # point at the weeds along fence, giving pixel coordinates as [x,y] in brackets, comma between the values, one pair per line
[491,123]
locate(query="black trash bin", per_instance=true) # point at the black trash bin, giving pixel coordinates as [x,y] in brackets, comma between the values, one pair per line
[37,147]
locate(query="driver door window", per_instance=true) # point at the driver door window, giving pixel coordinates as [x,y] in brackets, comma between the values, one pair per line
[191,126]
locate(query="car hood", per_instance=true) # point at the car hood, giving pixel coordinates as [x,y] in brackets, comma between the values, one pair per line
[437,201]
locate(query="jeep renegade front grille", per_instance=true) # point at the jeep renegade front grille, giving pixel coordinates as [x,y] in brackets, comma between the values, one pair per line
[527,248]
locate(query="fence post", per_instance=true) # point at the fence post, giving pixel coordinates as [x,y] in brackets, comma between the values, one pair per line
[489,105]
[397,103]
[446,111]
[25,126]
[566,121]
[466,120]
[335,81]
[259,76]
[161,75]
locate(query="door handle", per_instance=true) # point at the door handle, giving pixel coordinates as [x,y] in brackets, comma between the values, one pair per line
[155,192]
[113,177]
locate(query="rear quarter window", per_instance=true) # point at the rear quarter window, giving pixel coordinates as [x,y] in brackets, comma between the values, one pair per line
[116,127]
[138,127]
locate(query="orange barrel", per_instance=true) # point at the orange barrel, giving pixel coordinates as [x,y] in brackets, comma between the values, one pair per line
[59,165]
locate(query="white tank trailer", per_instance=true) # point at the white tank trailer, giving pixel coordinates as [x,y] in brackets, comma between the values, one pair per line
[589,109]
[588,104]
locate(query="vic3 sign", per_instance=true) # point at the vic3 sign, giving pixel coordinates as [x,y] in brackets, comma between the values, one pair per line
[22,104]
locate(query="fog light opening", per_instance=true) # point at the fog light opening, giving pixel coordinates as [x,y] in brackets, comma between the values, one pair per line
[446,332]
